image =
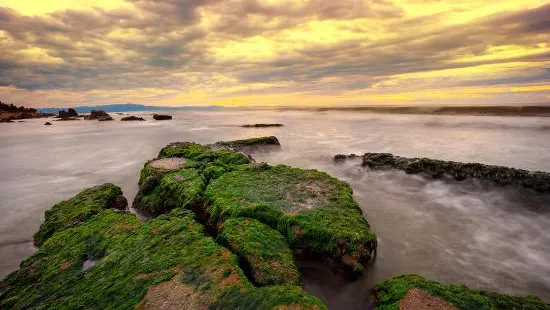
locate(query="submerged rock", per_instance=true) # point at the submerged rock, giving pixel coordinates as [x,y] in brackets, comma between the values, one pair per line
[162,117]
[539,181]
[415,292]
[112,260]
[132,118]
[261,125]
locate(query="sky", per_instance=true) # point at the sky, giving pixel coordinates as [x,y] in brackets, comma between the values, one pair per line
[66,53]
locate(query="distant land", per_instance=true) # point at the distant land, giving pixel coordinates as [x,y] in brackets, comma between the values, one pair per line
[527,110]
[127,107]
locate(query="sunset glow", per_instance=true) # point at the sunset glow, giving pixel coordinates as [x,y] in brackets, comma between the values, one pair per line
[269,53]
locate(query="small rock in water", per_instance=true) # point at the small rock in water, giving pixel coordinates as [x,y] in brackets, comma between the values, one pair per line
[132,118]
[162,117]
[47,124]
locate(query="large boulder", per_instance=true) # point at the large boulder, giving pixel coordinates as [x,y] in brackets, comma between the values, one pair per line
[112,260]
[314,212]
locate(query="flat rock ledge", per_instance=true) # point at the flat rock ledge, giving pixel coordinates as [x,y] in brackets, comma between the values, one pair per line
[538,181]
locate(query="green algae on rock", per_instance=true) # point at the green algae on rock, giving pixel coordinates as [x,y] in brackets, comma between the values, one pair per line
[263,249]
[76,210]
[539,181]
[392,292]
[160,192]
[111,260]
[314,211]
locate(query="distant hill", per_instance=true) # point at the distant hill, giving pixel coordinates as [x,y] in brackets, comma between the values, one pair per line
[127,107]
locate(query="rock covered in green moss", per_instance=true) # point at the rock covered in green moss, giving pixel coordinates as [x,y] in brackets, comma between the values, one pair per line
[314,211]
[162,191]
[111,260]
[539,181]
[396,292]
[263,249]
[72,212]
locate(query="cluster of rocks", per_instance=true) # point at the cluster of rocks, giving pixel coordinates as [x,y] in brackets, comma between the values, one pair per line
[539,181]
[225,233]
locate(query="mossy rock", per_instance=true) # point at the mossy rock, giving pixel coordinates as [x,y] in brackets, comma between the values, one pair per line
[263,249]
[78,209]
[392,292]
[114,261]
[314,211]
[220,155]
[162,192]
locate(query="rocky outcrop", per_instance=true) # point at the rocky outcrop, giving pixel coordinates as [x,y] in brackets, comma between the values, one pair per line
[69,113]
[539,181]
[253,144]
[261,125]
[132,118]
[96,257]
[162,117]
[315,213]
[99,115]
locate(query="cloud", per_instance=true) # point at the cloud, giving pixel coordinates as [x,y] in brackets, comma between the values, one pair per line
[208,51]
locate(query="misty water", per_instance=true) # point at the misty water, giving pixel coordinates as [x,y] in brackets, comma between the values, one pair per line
[471,232]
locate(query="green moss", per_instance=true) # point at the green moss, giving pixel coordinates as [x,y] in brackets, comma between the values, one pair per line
[391,291]
[263,249]
[213,172]
[181,188]
[270,297]
[74,211]
[169,253]
[314,211]
[219,155]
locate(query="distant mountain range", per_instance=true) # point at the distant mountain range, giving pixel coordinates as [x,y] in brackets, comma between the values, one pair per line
[127,107]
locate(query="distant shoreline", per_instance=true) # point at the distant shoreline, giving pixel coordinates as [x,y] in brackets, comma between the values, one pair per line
[539,111]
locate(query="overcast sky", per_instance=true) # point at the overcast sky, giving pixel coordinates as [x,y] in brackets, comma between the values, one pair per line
[287,52]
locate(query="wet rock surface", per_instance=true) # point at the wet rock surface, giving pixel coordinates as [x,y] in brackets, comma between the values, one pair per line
[539,181]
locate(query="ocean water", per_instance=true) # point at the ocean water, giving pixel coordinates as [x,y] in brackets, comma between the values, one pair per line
[470,232]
